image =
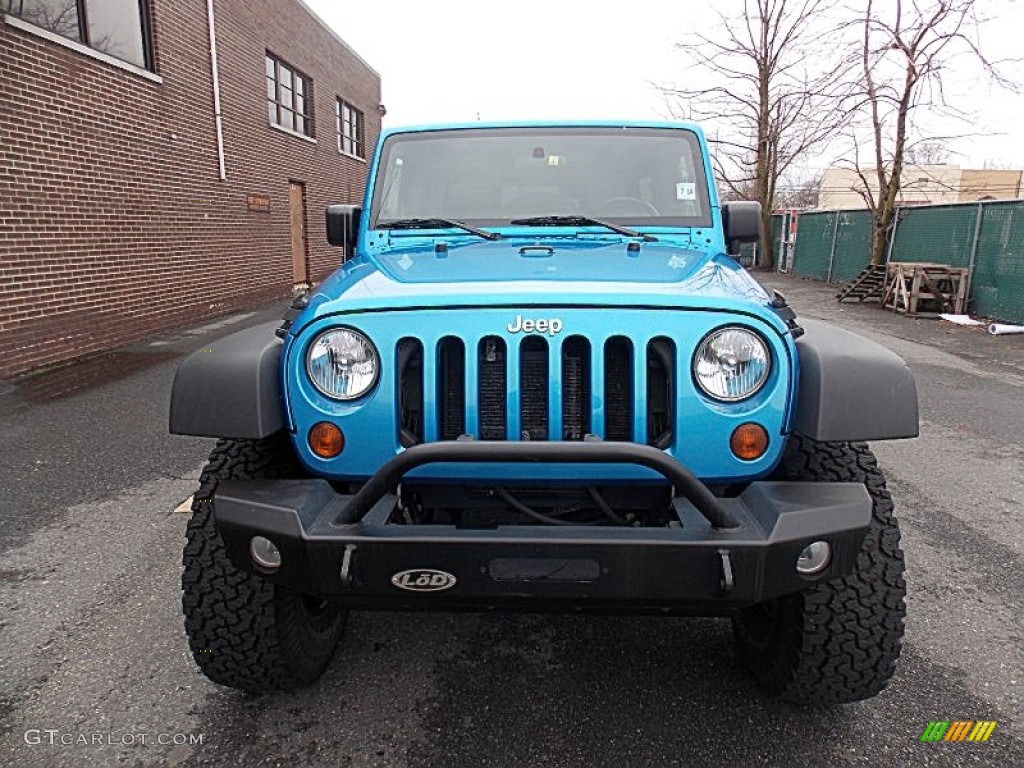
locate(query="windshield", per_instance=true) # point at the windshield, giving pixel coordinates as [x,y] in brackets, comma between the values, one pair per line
[494,176]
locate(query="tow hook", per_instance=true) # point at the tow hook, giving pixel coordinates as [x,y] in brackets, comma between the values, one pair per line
[346,565]
[725,580]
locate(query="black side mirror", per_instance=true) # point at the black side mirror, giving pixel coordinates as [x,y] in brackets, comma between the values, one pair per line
[343,226]
[742,223]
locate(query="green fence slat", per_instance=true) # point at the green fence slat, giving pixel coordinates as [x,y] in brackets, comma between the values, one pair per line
[997,285]
[776,228]
[940,234]
[813,244]
[775,234]
[853,245]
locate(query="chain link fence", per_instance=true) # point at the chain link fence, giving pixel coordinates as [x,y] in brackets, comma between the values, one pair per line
[986,238]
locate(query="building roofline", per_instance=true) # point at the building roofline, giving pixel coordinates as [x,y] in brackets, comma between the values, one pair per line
[337,37]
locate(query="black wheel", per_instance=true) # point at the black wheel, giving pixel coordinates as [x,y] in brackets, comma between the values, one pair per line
[244,631]
[836,642]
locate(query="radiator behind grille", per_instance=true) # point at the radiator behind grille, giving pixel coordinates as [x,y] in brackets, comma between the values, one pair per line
[618,389]
[575,388]
[451,387]
[533,388]
[493,389]
[491,381]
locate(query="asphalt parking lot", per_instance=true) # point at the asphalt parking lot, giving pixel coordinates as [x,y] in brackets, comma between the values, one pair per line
[93,645]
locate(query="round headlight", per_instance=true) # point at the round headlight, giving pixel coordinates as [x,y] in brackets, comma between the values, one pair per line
[731,364]
[342,363]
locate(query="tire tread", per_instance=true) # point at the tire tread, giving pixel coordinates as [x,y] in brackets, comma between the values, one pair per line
[839,642]
[239,625]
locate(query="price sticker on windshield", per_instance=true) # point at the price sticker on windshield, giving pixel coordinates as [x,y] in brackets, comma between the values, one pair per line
[686,190]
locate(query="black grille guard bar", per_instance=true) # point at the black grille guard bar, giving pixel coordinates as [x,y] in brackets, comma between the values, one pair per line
[683,481]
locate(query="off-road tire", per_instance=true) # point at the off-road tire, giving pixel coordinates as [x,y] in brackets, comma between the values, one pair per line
[836,642]
[244,631]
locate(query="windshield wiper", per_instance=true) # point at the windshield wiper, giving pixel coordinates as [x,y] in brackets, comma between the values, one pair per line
[435,223]
[583,221]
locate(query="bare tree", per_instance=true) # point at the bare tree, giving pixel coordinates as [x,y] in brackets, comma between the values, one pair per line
[801,194]
[769,92]
[998,164]
[741,190]
[927,152]
[905,48]
[60,16]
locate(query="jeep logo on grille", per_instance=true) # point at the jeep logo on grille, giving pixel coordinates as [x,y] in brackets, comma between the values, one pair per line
[423,580]
[521,324]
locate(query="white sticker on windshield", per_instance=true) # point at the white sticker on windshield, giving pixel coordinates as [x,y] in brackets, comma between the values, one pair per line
[553,159]
[686,190]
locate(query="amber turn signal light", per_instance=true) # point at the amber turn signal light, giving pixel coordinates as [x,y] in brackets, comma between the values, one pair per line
[749,441]
[326,440]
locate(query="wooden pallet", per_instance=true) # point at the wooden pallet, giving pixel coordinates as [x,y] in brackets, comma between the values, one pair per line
[925,290]
[869,284]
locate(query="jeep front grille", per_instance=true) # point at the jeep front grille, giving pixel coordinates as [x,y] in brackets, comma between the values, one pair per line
[533,388]
[618,389]
[575,388]
[487,388]
[493,397]
[451,387]
[409,365]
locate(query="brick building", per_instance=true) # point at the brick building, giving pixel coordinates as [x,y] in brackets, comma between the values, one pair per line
[127,205]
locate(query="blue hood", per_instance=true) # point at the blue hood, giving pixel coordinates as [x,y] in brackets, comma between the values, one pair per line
[559,259]
[575,271]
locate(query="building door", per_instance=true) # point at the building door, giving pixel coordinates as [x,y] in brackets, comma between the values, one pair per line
[297,218]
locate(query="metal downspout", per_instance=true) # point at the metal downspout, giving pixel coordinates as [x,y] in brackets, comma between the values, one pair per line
[215,74]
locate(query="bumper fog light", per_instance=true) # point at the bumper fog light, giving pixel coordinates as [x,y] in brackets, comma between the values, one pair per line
[813,559]
[749,441]
[326,440]
[264,553]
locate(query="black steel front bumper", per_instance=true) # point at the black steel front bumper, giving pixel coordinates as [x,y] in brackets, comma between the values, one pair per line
[725,553]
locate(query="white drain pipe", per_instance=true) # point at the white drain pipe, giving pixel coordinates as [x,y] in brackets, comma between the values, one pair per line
[216,89]
[997,329]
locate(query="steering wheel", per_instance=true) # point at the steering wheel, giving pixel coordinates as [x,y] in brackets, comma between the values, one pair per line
[635,202]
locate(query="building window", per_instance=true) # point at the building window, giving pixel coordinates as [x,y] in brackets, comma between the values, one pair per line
[289,97]
[350,129]
[119,28]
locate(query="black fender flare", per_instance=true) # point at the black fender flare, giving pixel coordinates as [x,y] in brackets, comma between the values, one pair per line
[851,389]
[230,388]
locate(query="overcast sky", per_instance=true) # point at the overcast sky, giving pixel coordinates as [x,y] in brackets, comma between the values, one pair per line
[449,60]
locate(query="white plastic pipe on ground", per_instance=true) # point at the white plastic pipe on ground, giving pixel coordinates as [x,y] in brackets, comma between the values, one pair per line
[997,329]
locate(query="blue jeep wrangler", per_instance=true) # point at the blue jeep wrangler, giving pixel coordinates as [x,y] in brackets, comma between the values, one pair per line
[541,381]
